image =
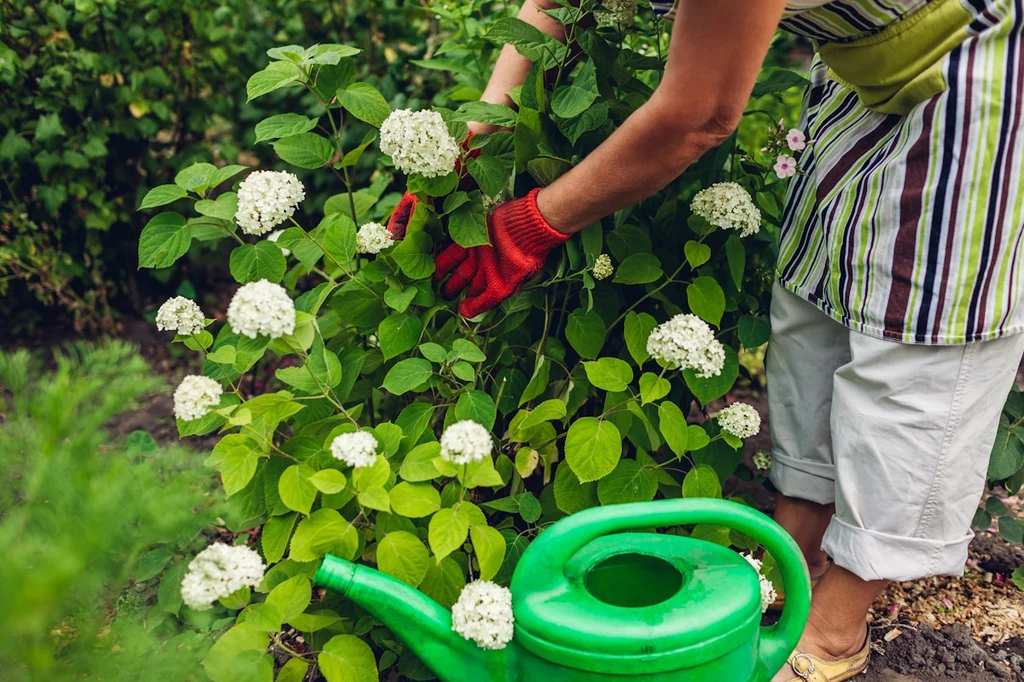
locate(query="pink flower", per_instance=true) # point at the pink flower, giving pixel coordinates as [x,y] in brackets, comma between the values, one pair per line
[796,140]
[948,604]
[785,166]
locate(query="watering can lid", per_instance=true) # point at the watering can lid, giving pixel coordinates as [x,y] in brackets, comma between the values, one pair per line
[717,601]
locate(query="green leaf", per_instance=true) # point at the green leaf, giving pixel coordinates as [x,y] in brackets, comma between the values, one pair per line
[291,597]
[336,235]
[274,537]
[637,328]
[446,532]
[586,332]
[238,459]
[324,531]
[329,481]
[481,474]
[152,563]
[1018,578]
[736,256]
[569,101]
[706,390]
[407,375]
[418,465]
[467,225]
[305,150]
[653,388]
[223,208]
[270,79]
[774,80]
[485,112]
[400,300]
[673,427]
[467,350]
[402,555]
[161,196]
[592,448]
[489,547]
[168,595]
[629,482]
[415,500]
[164,240]
[539,381]
[293,671]
[753,331]
[591,119]
[398,333]
[545,412]
[1011,530]
[491,174]
[640,268]
[48,127]
[346,658]
[702,481]
[1007,452]
[252,262]
[414,255]
[546,169]
[295,488]
[696,437]
[528,40]
[609,374]
[696,254]
[706,299]
[363,101]
[444,582]
[283,125]
[571,495]
[477,406]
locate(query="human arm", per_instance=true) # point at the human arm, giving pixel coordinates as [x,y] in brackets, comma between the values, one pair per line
[716,52]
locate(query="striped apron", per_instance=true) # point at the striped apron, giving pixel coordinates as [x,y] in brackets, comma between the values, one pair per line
[907,221]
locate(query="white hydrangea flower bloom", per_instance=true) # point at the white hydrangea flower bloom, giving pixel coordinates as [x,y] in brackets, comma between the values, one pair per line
[603,268]
[419,142]
[181,315]
[266,199]
[466,441]
[763,460]
[274,236]
[219,571]
[262,307]
[768,594]
[617,12]
[729,206]
[740,419]
[483,614]
[373,238]
[195,396]
[357,449]
[687,342]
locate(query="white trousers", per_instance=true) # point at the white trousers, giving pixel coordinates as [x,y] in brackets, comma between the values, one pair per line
[898,436]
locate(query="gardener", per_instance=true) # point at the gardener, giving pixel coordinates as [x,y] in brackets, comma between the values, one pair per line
[897,319]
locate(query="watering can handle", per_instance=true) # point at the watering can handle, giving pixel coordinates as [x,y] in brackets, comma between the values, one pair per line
[564,539]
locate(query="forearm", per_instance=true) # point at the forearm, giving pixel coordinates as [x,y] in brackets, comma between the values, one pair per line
[511,68]
[644,155]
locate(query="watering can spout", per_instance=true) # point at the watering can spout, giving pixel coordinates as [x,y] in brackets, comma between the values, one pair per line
[417,620]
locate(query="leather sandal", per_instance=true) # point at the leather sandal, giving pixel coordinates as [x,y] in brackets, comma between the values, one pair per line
[810,668]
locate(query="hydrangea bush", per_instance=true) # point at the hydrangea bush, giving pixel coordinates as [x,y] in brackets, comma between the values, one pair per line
[362,416]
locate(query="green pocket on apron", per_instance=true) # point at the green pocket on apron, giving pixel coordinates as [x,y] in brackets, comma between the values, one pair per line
[895,70]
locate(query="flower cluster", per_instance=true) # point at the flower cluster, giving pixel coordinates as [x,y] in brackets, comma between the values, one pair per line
[266,199]
[616,13]
[763,460]
[729,206]
[768,594]
[466,441]
[740,419]
[219,571]
[181,315]
[687,342]
[603,267]
[357,449]
[195,396]
[483,614]
[419,142]
[784,145]
[373,238]
[262,308]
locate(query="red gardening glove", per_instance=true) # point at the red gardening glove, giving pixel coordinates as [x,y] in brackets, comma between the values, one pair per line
[520,241]
[398,223]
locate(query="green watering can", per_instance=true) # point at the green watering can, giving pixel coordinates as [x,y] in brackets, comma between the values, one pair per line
[591,605]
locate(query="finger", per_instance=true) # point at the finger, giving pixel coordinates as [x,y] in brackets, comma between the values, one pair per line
[448,260]
[461,277]
[471,306]
[479,283]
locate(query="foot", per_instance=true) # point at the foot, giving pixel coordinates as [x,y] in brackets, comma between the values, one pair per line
[827,645]
[818,565]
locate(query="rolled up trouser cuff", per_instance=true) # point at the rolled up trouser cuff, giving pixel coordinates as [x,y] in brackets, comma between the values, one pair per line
[803,479]
[871,555]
